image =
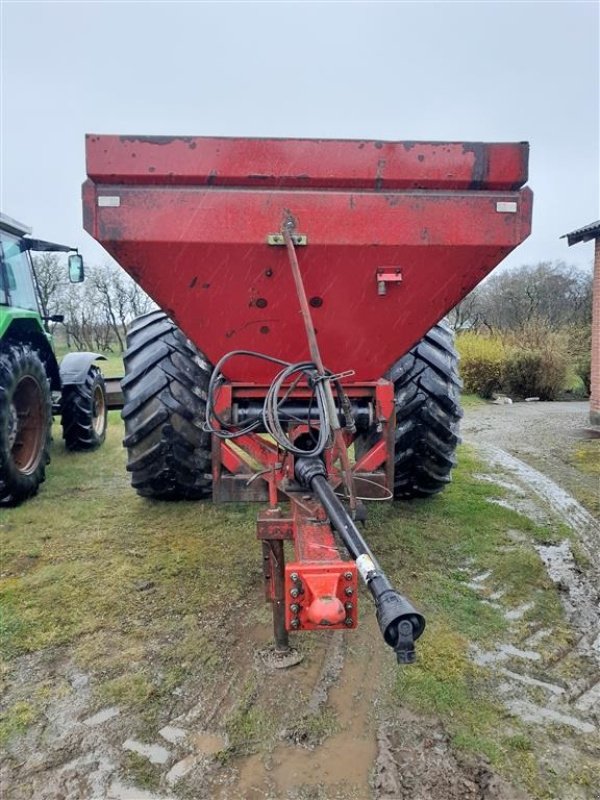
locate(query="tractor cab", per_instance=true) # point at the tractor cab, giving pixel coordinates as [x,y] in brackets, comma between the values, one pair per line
[17,276]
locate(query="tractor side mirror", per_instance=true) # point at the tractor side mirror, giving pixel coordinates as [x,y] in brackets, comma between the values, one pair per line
[76,273]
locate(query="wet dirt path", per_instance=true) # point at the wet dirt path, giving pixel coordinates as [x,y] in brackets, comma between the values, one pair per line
[542,435]
[335,761]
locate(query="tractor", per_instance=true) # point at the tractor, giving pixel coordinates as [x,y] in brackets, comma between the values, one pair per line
[33,385]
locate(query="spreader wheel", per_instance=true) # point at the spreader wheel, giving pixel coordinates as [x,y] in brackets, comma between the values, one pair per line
[83,414]
[427,390]
[164,393]
[25,422]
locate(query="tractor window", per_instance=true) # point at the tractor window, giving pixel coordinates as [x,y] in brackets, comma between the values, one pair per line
[18,289]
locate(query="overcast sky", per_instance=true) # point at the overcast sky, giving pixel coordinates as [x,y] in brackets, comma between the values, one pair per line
[486,71]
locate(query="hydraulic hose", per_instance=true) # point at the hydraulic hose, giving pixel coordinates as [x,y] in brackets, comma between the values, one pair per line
[400,623]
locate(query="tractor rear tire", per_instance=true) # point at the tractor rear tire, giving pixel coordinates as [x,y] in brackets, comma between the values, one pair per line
[84,412]
[164,393]
[427,393]
[25,423]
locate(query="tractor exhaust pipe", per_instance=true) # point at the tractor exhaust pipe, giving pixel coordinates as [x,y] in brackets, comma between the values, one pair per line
[400,623]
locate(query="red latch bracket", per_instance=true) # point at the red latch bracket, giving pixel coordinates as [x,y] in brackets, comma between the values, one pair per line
[387,275]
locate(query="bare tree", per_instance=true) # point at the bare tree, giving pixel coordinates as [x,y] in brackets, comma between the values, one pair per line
[552,293]
[51,280]
[98,311]
[467,314]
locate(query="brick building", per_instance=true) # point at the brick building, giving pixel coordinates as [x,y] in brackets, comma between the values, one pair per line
[586,234]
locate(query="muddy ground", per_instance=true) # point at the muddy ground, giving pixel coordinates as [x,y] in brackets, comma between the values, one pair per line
[334,734]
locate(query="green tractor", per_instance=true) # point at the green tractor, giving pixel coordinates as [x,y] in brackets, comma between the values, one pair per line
[33,386]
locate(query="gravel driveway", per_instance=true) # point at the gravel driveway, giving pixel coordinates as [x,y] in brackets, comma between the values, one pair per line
[541,434]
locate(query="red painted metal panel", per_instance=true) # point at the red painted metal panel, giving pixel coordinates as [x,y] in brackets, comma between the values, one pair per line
[201,251]
[305,163]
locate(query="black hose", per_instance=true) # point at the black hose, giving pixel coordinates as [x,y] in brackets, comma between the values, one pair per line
[270,416]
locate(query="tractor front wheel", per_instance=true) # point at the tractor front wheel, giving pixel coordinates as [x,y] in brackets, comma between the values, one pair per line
[83,416]
[25,423]
[164,392]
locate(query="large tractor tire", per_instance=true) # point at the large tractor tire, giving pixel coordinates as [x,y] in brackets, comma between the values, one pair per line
[164,394]
[84,412]
[25,423]
[428,413]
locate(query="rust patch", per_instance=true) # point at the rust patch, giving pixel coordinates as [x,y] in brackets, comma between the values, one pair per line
[480,164]
[156,139]
[379,175]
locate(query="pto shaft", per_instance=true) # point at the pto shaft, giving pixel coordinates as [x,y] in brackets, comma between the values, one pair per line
[399,622]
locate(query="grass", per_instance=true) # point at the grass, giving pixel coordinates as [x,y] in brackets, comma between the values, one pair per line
[586,457]
[471,401]
[123,581]
[124,585]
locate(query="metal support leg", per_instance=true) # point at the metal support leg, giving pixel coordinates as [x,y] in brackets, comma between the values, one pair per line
[282,643]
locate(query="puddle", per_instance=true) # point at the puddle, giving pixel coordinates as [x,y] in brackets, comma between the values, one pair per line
[118,791]
[172,734]
[529,681]
[579,592]
[102,716]
[155,753]
[502,653]
[519,612]
[529,712]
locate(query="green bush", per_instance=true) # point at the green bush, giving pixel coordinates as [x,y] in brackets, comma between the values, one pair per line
[530,362]
[583,368]
[482,363]
[537,362]
[580,349]
[534,373]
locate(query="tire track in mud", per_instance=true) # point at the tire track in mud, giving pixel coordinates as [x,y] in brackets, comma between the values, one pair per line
[565,506]
[333,763]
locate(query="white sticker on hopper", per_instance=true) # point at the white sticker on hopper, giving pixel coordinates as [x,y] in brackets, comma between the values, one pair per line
[109,201]
[506,207]
[365,565]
